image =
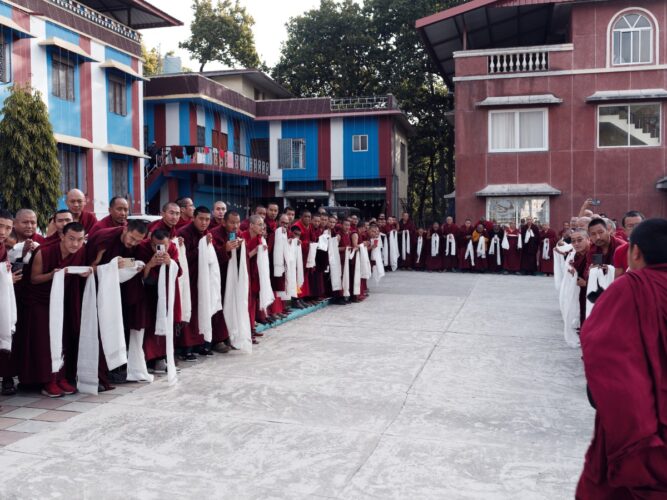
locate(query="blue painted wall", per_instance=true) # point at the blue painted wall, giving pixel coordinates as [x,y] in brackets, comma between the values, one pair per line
[149,121]
[361,165]
[7,36]
[55,30]
[116,55]
[119,128]
[5,10]
[302,129]
[184,120]
[65,115]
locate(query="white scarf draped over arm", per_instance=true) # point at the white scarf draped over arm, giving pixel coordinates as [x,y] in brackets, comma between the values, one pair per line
[323,242]
[529,235]
[393,250]
[164,317]
[266,296]
[597,277]
[559,264]
[208,288]
[435,245]
[481,247]
[546,249]
[312,253]
[8,313]
[470,252]
[356,279]
[279,252]
[420,245]
[376,255]
[235,307]
[184,284]
[334,265]
[364,262]
[89,343]
[405,244]
[450,245]
[494,248]
[346,273]
[568,299]
[385,249]
[506,243]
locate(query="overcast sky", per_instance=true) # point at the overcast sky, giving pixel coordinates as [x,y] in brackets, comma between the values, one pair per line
[270,18]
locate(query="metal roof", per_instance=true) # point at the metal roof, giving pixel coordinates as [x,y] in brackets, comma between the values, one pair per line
[136,14]
[520,100]
[518,190]
[619,95]
[482,24]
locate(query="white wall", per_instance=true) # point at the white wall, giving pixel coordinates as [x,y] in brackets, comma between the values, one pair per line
[275,133]
[337,155]
[99,111]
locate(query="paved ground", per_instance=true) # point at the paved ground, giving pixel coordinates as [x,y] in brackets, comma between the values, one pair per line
[438,386]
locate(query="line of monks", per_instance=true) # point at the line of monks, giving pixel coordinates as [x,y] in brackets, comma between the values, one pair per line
[94,303]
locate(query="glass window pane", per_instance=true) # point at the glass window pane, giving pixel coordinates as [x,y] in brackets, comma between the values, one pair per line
[621,23]
[644,127]
[645,52]
[503,210]
[502,133]
[635,46]
[626,47]
[613,126]
[643,23]
[617,47]
[531,129]
[364,142]
[631,19]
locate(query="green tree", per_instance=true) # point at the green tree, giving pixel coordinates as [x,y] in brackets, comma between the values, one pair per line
[152,61]
[221,32]
[29,167]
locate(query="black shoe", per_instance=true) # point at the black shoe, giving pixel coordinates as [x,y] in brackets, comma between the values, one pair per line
[118,376]
[205,352]
[189,357]
[221,347]
[8,388]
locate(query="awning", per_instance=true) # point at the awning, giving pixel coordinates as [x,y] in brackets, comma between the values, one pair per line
[20,32]
[518,190]
[306,194]
[624,95]
[123,150]
[67,47]
[123,68]
[662,183]
[520,100]
[450,196]
[361,189]
[73,141]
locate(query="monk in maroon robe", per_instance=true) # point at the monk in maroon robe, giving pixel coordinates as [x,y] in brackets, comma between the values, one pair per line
[7,364]
[154,252]
[190,338]
[450,262]
[481,264]
[35,366]
[59,220]
[630,220]
[226,239]
[434,262]
[624,344]
[465,237]
[187,207]
[530,238]
[581,244]
[419,261]
[259,210]
[492,260]
[119,208]
[512,256]
[602,242]
[25,228]
[76,203]
[171,214]
[316,274]
[218,215]
[547,234]
[253,241]
[406,224]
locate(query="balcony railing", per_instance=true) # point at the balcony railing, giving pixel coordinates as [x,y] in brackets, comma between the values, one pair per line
[519,61]
[97,18]
[363,103]
[197,155]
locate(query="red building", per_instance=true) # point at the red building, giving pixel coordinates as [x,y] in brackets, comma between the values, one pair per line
[555,102]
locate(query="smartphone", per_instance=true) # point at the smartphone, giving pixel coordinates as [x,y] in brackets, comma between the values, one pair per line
[232,236]
[125,263]
[597,259]
[595,203]
[18,265]
[160,248]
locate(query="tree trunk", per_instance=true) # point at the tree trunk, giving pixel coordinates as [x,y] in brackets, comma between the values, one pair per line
[422,198]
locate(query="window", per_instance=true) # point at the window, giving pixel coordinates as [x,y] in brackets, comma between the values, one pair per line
[69,171]
[201,136]
[403,158]
[120,181]
[62,76]
[513,209]
[117,96]
[359,143]
[632,40]
[518,130]
[629,125]
[5,61]
[259,149]
[291,154]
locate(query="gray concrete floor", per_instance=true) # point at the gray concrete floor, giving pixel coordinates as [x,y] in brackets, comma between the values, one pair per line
[441,386]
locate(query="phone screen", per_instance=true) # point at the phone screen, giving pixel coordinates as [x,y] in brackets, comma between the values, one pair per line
[597,259]
[232,236]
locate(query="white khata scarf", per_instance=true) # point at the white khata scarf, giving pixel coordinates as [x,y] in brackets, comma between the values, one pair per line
[450,245]
[89,345]
[312,254]
[420,244]
[393,250]
[364,263]
[8,315]
[266,296]
[435,245]
[334,265]
[405,244]
[376,255]
[597,278]
[323,241]
[481,247]
[356,279]
[294,269]
[470,252]
[559,264]
[529,235]
[208,287]
[546,247]
[385,249]
[16,252]
[279,252]
[184,283]
[568,299]
[57,312]
[494,249]
[346,273]
[164,318]
[235,306]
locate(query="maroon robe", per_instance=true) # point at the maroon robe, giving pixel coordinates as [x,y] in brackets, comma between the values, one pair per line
[580,264]
[530,250]
[450,262]
[624,344]
[220,239]
[190,336]
[512,257]
[491,260]
[87,220]
[182,223]
[160,224]
[6,364]
[34,365]
[155,346]
[251,243]
[316,274]
[419,260]
[465,235]
[277,283]
[412,230]
[547,266]
[433,263]
[346,241]
[481,264]
[105,223]
[608,258]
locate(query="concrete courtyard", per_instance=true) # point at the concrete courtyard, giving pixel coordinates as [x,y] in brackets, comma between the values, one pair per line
[439,386]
